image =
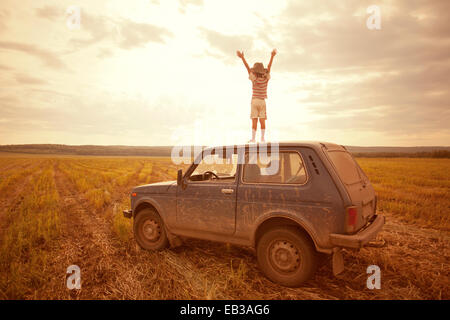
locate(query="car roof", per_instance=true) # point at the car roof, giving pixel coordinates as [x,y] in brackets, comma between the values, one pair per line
[311,144]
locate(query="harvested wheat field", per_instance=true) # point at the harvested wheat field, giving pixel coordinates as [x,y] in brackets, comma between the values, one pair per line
[60,211]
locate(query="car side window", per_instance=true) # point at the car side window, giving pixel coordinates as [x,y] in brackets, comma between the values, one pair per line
[286,167]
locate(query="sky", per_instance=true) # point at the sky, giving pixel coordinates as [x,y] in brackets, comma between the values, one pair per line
[166,72]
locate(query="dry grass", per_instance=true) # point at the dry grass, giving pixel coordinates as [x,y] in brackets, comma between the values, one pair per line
[34,223]
[61,211]
[414,190]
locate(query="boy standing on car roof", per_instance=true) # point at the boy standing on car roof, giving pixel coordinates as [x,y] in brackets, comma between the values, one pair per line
[260,78]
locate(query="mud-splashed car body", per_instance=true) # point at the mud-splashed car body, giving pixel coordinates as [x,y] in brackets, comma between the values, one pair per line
[292,202]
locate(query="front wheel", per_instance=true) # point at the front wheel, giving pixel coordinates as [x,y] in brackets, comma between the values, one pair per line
[149,230]
[286,256]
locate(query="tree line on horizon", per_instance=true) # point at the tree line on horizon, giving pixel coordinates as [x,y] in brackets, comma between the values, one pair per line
[440,154]
[165,151]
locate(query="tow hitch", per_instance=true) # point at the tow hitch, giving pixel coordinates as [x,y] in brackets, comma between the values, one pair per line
[338,258]
[127,213]
[376,243]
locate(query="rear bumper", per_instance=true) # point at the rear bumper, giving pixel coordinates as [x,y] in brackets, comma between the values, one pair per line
[361,238]
[128,213]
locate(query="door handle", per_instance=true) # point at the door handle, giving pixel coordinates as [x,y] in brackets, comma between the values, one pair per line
[227,191]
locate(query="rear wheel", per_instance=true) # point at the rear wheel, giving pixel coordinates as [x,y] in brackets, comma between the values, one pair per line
[149,230]
[286,256]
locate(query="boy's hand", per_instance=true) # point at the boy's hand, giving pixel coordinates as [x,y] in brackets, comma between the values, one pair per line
[240,54]
[274,52]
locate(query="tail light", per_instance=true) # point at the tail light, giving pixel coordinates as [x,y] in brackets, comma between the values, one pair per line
[352,218]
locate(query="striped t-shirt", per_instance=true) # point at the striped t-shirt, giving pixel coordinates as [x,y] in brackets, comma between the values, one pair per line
[259,85]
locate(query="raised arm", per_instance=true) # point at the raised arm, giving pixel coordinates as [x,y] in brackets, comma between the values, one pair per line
[274,52]
[240,54]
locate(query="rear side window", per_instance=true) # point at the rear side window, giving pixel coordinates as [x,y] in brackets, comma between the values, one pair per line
[282,168]
[345,166]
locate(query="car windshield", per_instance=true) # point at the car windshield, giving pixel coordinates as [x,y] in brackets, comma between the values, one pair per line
[217,164]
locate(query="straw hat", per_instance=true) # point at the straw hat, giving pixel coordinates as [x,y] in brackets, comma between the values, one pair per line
[258,67]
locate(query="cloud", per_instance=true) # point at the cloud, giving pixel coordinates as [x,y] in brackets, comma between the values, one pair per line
[420,87]
[388,121]
[63,114]
[104,53]
[185,3]
[100,29]
[413,101]
[24,79]
[8,101]
[133,34]
[50,12]
[49,58]
[225,46]
[3,67]
[4,15]
[321,35]
[122,33]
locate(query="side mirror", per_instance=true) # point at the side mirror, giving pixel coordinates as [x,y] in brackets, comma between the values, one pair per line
[180,177]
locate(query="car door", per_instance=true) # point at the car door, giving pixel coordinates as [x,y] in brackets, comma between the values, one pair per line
[207,205]
[283,188]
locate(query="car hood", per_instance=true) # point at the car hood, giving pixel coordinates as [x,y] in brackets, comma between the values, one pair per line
[158,187]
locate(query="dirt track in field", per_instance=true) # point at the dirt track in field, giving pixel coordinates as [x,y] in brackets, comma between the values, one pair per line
[414,265]
[85,242]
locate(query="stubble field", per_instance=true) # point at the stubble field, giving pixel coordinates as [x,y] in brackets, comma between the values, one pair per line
[60,211]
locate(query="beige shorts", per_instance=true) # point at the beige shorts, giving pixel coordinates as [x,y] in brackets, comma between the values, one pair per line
[258,109]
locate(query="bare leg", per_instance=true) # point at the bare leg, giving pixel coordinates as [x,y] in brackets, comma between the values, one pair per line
[254,127]
[263,128]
